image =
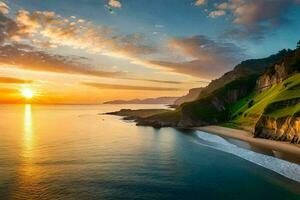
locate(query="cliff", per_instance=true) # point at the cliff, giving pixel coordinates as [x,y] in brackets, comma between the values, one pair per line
[242,70]
[280,119]
[275,104]
[282,129]
[207,109]
[192,95]
[267,80]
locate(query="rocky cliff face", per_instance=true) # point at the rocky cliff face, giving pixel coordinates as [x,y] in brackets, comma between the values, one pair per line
[286,126]
[192,95]
[282,129]
[276,75]
[244,69]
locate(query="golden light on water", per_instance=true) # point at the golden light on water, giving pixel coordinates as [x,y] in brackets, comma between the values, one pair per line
[28,173]
[28,134]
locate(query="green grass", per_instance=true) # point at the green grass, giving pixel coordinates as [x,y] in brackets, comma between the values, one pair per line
[285,111]
[244,115]
[241,105]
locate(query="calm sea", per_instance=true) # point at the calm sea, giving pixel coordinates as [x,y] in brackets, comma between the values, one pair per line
[71,152]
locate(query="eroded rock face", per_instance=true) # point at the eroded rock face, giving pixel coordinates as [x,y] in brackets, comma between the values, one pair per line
[267,80]
[192,95]
[282,129]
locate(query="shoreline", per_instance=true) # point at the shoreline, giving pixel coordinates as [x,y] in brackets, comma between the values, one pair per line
[284,150]
[279,149]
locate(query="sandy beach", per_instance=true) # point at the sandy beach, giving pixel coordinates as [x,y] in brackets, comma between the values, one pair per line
[280,149]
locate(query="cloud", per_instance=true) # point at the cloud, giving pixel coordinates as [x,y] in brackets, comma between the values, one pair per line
[10,95]
[154,80]
[8,28]
[161,81]
[196,68]
[44,30]
[207,58]
[61,32]
[254,18]
[223,6]
[10,80]
[200,2]
[8,91]
[115,3]
[126,87]
[4,9]
[256,11]
[217,13]
[26,57]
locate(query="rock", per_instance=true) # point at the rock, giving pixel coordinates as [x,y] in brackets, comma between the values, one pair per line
[192,95]
[282,129]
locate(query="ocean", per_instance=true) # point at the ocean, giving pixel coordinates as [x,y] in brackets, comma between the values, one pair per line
[75,152]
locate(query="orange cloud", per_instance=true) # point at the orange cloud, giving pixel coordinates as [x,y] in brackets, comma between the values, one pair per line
[115,3]
[126,87]
[10,95]
[25,57]
[10,80]
[4,9]
[8,91]
[207,59]
[70,32]
[73,33]
[200,2]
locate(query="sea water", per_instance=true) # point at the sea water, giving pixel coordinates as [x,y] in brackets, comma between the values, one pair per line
[72,152]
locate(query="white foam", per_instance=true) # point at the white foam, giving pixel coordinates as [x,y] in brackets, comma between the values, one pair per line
[285,168]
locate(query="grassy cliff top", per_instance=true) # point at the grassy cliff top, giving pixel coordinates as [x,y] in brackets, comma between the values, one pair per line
[271,102]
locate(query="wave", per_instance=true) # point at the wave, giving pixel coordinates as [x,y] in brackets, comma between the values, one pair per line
[282,167]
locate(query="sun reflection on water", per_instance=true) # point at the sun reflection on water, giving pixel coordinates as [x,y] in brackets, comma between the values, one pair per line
[28,174]
[28,133]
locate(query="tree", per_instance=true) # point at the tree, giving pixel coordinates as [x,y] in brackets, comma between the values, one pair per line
[298,45]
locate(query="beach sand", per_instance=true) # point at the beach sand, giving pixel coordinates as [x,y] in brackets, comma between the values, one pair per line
[284,150]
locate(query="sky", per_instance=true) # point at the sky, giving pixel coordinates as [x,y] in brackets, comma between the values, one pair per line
[92,51]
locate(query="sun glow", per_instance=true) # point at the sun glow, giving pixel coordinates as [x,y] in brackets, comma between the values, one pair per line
[27,93]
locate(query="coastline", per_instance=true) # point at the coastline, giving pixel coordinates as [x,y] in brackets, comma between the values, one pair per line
[279,149]
[243,138]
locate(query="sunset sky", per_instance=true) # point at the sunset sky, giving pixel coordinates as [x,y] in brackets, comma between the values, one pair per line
[91,51]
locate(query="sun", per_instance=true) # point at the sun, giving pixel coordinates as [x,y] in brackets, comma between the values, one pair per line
[27,93]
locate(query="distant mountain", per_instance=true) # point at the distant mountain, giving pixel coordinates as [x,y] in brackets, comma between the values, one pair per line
[159,100]
[192,95]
